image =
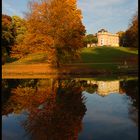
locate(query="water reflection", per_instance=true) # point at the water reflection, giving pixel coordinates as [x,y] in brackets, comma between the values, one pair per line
[55,108]
[105,87]
[131,89]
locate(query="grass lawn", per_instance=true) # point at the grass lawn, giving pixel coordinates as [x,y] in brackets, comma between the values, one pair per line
[109,55]
[91,55]
[103,59]
[30,59]
[110,58]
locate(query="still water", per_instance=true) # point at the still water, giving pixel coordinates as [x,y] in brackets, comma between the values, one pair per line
[70,109]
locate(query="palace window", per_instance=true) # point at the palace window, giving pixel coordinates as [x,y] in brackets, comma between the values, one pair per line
[102,41]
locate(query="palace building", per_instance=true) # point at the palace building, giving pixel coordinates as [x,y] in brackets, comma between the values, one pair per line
[107,39]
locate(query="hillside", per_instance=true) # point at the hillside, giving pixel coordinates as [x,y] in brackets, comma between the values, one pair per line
[90,55]
[105,60]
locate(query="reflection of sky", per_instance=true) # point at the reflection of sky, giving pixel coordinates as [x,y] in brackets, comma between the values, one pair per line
[108,117]
[12,128]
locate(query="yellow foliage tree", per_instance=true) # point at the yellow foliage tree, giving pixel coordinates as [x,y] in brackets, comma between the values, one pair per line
[54,27]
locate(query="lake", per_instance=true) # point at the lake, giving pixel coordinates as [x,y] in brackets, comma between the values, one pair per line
[70,109]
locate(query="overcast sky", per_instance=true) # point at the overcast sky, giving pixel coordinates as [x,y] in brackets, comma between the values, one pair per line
[112,15]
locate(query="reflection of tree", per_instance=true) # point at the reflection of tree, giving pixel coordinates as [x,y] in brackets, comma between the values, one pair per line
[131,89]
[88,86]
[24,96]
[59,118]
[5,94]
[17,94]
[55,107]
[91,88]
[7,86]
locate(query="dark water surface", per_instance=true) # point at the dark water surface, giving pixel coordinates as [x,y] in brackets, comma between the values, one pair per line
[70,109]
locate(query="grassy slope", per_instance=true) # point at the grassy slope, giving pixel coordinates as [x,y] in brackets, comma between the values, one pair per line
[32,59]
[103,60]
[97,58]
[108,54]
[110,58]
[90,55]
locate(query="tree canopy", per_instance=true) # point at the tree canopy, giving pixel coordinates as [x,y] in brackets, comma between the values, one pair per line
[90,39]
[7,34]
[13,29]
[19,25]
[129,38]
[131,34]
[54,27]
[121,38]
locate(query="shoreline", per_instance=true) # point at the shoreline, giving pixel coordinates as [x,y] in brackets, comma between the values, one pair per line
[64,72]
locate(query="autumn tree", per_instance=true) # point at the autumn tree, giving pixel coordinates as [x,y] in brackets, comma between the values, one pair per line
[131,34]
[121,38]
[54,27]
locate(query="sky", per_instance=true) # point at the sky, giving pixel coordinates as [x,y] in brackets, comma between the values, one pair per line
[112,15]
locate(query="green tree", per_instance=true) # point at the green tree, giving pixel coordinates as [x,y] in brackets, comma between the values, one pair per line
[7,37]
[7,34]
[121,38]
[19,25]
[90,39]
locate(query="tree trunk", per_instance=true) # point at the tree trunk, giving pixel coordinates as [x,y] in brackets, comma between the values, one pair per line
[58,64]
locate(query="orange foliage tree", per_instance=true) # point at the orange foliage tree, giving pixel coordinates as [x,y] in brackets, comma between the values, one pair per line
[131,34]
[54,27]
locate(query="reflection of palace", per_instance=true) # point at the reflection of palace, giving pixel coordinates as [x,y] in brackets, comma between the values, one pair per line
[106,87]
[56,107]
